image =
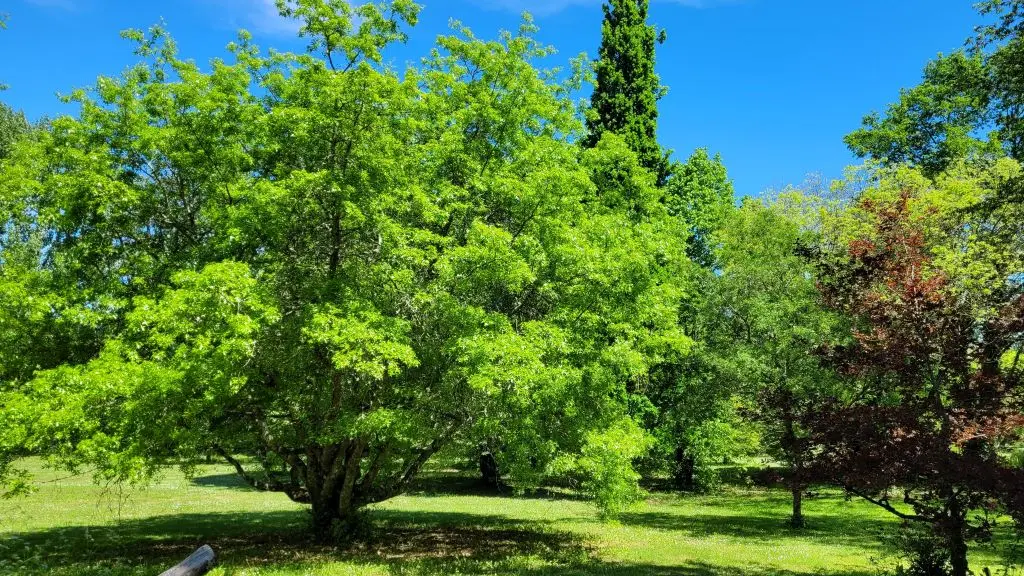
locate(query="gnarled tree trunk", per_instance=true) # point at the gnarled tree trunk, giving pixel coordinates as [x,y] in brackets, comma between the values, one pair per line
[339,479]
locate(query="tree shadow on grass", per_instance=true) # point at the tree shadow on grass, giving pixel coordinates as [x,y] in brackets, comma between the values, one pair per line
[445,483]
[232,481]
[833,529]
[396,541]
[451,484]
[687,569]
[400,542]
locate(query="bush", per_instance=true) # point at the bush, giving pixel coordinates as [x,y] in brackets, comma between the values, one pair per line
[607,464]
[920,551]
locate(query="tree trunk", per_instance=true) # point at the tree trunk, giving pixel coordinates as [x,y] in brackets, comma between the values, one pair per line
[684,471]
[793,447]
[330,481]
[489,473]
[797,520]
[958,554]
[333,480]
[326,517]
[955,524]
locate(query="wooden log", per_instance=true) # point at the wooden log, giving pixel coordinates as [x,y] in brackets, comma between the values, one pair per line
[199,563]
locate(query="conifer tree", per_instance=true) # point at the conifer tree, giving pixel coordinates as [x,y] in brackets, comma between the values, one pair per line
[625,99]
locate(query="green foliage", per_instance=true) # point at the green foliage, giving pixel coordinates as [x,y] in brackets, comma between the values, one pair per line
[710,443]
[625,99]
[1009,21]
[313,259]
[607,464]
[701,195]
[13,127]
[968,106]
[773,319]
[687,405]
[920,552]
[1016,455]
[935,123]
[688,399]
[1008,94]
[760,323]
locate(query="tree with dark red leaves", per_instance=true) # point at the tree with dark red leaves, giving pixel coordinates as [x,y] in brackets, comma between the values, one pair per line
[934,287]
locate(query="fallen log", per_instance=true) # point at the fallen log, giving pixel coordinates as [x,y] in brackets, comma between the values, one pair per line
[199,563]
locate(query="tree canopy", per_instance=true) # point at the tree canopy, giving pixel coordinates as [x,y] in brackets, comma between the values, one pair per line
[931,281]
[969,103]
[627,89]
[338,269]
[326,271]
[772,322]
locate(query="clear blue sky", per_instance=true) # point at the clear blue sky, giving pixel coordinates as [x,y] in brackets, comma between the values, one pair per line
[773,85]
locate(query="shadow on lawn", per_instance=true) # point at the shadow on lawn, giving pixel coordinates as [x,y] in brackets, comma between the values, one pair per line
[429,484]
[847,530]
[402,542]
[689,569]
[221,481]
[398,541]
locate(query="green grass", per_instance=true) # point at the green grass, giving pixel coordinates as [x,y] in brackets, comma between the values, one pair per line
[71,527]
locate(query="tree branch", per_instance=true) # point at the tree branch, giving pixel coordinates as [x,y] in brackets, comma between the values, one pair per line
[294,491]
[884,503]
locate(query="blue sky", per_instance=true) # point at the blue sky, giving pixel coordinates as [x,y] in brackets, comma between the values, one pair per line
[772,85]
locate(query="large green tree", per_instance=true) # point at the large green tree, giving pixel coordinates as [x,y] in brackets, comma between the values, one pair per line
[340,269]
[625,99]
[945,118]
[679,404]
[772,322]
[970,104]
[700,194]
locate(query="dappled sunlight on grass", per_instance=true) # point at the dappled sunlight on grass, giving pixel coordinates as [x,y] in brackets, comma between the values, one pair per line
[444,527]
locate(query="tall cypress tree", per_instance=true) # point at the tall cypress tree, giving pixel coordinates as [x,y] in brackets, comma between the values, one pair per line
[625,100]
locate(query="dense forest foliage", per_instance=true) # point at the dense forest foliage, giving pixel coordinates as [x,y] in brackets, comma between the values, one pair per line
[327,271]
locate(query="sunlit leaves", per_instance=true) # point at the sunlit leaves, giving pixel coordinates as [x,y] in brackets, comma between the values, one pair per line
[361,340]
[306,256]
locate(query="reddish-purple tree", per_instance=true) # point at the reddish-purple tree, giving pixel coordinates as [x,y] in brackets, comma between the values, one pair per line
[933,399]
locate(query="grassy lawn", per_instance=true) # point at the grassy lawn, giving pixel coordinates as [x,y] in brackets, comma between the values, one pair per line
[72,527]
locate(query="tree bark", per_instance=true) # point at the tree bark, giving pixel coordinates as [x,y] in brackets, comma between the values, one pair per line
[334,481]
[951,526]
[797,519]
[958,554]
[793,447]
[684,471]
[956,518]
[338,489]
[489,472]
[325,514]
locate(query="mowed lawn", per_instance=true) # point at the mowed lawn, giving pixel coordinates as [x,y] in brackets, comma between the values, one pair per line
[72,527]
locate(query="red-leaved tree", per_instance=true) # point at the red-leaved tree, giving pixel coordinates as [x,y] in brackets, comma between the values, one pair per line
[935,393]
